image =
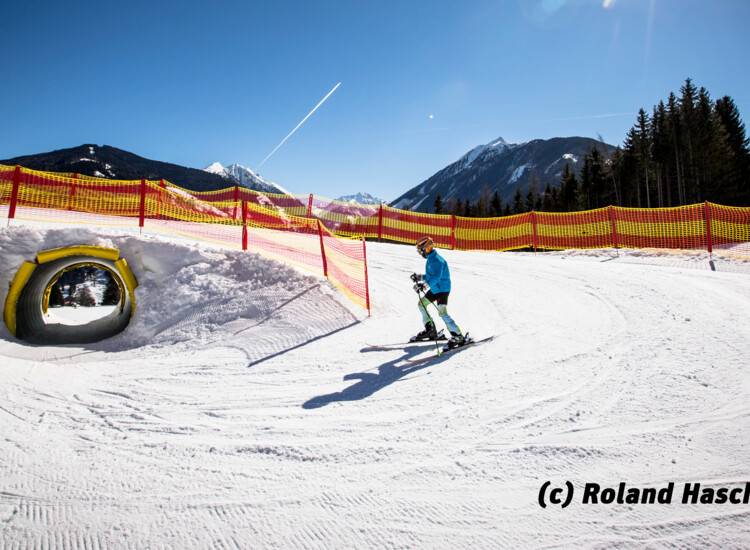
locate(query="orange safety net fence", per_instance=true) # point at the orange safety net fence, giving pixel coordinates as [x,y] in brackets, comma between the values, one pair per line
[223,214]
[258,225]
[705,226]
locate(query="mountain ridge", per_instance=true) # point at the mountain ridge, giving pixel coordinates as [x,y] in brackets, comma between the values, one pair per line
[109,162]
[503,167]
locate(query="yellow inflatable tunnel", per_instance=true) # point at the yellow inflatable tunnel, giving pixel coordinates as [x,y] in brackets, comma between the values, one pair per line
[26,306]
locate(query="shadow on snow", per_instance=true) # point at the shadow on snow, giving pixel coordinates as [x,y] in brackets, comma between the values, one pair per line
[369,382]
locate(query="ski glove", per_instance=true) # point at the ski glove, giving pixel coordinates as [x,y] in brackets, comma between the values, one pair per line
[416,278]
[420,287]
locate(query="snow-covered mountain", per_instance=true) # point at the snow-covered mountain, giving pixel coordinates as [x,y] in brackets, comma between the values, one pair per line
[500,166]
[244,177]
[362,198]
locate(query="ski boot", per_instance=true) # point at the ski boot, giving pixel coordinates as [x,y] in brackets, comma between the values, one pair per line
[429,333]
[456,341]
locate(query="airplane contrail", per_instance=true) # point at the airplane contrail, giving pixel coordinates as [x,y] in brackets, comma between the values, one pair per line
[298,125]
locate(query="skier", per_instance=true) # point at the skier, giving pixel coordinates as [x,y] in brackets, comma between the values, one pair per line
[438,278]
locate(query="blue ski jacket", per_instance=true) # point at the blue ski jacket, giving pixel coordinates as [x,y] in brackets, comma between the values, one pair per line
[437,274]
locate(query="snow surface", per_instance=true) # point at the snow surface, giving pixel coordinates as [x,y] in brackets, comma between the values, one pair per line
[242,407]
[69,315]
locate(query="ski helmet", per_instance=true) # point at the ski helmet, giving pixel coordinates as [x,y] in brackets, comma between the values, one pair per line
[425,245]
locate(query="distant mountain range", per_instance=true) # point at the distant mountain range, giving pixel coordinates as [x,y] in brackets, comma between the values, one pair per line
[498,166]
[103,161]
[362,198]
[503,167]
[244,177]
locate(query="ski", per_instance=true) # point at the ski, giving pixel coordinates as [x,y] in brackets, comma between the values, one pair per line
[396,345]
[468,343]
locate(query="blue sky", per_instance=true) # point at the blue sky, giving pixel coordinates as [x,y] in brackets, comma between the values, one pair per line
[422,82]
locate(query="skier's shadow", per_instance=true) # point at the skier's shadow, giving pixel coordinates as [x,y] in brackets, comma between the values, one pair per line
[369,382]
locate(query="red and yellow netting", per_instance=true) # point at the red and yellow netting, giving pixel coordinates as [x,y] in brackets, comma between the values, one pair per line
[695,227]
[262,225]
[310,231]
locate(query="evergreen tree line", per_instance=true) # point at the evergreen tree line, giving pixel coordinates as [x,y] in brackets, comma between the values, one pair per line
[687,151]
[79,293]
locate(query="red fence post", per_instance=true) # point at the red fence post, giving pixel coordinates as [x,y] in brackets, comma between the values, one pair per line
[236,200]
[14,193]
[453,232]
[142,214]
[72,192]
[309,207]
[322,248]
[709,237]
[380,222]
[244,225]
[614,227]
[367,282]
[533,227]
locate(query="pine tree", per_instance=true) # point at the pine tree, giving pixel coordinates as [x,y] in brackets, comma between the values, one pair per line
[84,297]
[518,205]
[596,174]
[56,296]
[642,150]
[674,131]
[532,196]
[660,153]
[453,208]
[111,295]
[496,205]
[690,126]
[481,210]
[547,200]
[483,203]
[728,116]
[568,190]
[438,204]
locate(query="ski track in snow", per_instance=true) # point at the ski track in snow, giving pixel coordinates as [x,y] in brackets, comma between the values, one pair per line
[242,408]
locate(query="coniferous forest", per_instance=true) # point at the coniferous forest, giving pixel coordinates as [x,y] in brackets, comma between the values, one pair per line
[686,150]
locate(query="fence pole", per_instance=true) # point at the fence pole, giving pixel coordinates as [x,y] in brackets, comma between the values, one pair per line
[142,214]
[533,226]
[244,225]
[72,192]
[14,193]
[367,282]
[236,200]
[453,232]
[309,206]
[322,249]
[380,222]
[614,228]
[709,237]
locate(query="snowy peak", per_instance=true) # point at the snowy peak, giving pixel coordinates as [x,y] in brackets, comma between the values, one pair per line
[245,177]
[361,198]
[502,167]
[216,168]
[481,154]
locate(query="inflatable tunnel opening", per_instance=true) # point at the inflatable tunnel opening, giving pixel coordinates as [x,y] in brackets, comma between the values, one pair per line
[82,293]
[51,302]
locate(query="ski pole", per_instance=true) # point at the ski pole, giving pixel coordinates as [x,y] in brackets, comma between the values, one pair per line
[419,293]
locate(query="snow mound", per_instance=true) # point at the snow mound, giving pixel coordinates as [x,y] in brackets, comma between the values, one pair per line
[188,291]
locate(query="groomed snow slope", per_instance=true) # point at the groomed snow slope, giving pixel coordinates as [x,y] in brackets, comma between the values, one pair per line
[243,409]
